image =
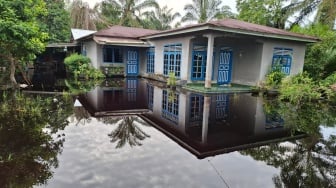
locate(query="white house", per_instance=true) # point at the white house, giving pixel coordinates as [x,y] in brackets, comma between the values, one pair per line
[217,52]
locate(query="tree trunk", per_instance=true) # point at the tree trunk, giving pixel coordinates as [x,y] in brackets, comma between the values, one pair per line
[12,71]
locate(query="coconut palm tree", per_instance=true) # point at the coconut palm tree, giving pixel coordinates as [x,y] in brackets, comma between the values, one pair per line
[130,10]
[128,131]
[160,19]
[203,10]
[326,11]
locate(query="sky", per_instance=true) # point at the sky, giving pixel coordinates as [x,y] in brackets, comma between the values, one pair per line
[177,5]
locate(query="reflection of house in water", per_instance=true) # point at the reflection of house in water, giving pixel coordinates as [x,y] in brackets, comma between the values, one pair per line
[204,125]
[120,96]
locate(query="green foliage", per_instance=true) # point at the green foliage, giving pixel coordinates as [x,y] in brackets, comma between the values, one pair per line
[320,60]
[80,86]
[126,13]
[313,151]
[21,37]
[171,79]
[274,13]
[80,66]
[253,11]
[28,153]
[205,10]
[74,61]
[299,89]
[56,22]
[328,88]
[274,78]
[160,19]
[113,71]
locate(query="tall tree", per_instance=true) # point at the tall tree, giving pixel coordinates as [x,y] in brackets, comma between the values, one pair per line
[130,11]
[84,17]
[57,21]
[21,36]
[160,19]
[204,11]
[326,11]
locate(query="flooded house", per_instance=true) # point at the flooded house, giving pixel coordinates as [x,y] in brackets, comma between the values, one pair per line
[217,52]
[205,125]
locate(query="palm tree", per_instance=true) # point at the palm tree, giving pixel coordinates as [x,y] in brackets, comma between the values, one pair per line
[160,19]
[326,11]
[203,10]
[127,131]
[130,10]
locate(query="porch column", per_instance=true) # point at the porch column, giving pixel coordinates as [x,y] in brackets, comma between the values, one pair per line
[208,74]
[205,123]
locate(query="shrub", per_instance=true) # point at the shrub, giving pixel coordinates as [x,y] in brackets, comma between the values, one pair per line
[299,89]
[328,87]
[75,61]
[274,78]
[79,66]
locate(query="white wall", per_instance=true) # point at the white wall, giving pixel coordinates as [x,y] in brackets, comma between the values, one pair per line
[92,52]
[267,56]
[245,61]
[157,109]
[185,57]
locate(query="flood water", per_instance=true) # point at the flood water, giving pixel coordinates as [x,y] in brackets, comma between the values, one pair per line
[137,133]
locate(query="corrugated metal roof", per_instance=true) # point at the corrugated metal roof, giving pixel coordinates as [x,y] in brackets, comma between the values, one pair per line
[124,32]
[236,26]
[79,33]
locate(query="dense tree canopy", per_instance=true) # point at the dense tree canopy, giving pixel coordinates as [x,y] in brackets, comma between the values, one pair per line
[21,36]
[56,22]
[274,13]
[320,61]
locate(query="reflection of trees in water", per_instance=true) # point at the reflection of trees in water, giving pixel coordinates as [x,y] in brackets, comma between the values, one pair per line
[127,131]
[28,151]
[81,115]
[309,162]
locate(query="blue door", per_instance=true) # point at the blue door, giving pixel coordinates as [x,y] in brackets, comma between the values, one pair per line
[132,62]
[225,67]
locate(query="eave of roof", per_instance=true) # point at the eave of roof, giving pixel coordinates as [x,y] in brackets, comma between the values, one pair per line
[235,26]
[61,45]
[120,41]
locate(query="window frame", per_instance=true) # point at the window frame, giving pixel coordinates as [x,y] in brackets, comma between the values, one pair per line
[116,57]
[172,58]
[170,108]
[150,65]
[282,53]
